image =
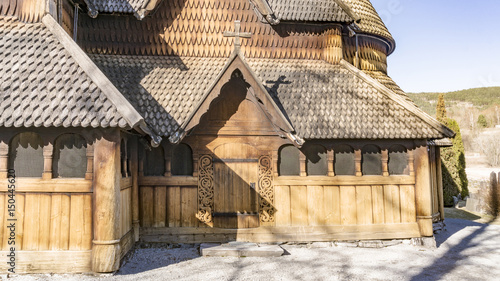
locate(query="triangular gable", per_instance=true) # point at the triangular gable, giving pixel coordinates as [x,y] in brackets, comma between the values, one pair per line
[400,100]
[261,98]
[123,106]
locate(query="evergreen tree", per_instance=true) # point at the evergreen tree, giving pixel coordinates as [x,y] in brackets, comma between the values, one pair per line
[452,159]
[441,109]
[481,121]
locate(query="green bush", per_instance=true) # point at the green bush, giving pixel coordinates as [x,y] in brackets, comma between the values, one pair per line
[453,166]
[481,121]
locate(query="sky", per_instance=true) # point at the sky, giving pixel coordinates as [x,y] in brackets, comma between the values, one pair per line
[443,45]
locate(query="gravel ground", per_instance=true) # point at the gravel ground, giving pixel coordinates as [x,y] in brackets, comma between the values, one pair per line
[466,251]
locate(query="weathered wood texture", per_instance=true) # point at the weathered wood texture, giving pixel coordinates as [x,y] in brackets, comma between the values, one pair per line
[49,221]
[172,206]
[279,234]
[50,261]
[195,28]
[344,205]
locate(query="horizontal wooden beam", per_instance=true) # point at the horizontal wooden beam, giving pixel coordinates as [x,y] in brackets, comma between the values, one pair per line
[281,234]
[51,185]
[169,181]
[344,180]
[49,261]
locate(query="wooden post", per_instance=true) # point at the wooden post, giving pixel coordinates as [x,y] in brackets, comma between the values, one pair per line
[331,160]
[4,159]
[275,163]
[195,164]
[168,160]
[124,160]
[303,168]
[357,161]
[107,174]
[411,159]
[134,171]
[440,182]
[48,151]
[423,190]
[385,161]
[90,162]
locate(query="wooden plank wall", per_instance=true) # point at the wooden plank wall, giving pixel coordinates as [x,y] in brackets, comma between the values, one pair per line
[49,221]
[168,206]
[344,205]
[125,206]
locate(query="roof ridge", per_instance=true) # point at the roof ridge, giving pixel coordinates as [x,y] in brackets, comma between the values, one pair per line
[123,106]
[355,17]
[395,97]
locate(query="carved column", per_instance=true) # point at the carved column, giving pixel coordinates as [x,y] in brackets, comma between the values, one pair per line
[205,190]
[385,161]
[4,159]
[266,191]
[303,167]
[90,162]
[48,151]
[439,182]
[275,163]
[168,161]
[107,174]
[331,160]
[423,190]
[411,161]
[195,164]
[357,161]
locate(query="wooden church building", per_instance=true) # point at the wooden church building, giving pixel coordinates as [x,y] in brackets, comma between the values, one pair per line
[189,121]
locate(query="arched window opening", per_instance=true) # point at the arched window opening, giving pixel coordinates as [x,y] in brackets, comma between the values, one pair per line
[398,160]
[317,160]
[154,162]
[344,161]
[26,155]
[70,157]
[371,160]
[288,161]
[182,160]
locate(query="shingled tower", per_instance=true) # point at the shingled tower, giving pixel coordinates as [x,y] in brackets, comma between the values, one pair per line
[290,131]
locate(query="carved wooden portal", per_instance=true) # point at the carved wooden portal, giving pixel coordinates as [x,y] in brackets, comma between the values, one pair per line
[236,174]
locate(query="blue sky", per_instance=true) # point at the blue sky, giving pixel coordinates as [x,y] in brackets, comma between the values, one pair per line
[443,45]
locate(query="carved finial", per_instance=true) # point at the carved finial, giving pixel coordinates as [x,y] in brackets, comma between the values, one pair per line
[237,34]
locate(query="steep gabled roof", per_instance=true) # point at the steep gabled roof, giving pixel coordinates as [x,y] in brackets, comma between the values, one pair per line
[318,99]
[140,8]
[311,10]
[47,80]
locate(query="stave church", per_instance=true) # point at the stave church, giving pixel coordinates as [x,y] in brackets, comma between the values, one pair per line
[193,121]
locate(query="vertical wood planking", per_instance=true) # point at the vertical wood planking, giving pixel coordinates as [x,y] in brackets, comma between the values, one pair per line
[332,205]
[20,212]
[364,213]
[32,222]
[55,222]
[44,216]
[391,204]
[160,206]
[282,205]
[315,206]
[408,212]
[76,222]
[348,205]
[188,206]
[147,206]
[298,202]
[173,206]
[378,204]
[65,221]
[87,222]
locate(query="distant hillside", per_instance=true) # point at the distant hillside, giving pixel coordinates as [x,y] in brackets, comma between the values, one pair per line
[479,98]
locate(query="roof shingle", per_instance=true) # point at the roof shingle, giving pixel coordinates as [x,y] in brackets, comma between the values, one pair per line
[41,84]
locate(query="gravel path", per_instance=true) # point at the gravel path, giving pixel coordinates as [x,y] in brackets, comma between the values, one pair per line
[466,251]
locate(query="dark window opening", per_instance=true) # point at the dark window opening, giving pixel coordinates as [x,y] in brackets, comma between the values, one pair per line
[70,157]
[317,160]
[344,161]
[154,162]
[398,160]
[371,160]
[288,161]
[182,160]
[26,155]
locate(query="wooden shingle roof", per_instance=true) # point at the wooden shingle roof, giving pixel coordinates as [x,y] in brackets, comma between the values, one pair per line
[320,100]
[46,80]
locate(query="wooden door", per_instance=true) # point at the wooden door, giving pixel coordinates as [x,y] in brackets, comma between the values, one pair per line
[235,180]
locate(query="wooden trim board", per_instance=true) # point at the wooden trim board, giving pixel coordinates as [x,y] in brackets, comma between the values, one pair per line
[169,181]
[51,185]
[344,180]
[281,234]
[50,261]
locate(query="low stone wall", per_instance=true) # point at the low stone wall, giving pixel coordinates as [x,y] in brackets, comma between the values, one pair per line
[486,199]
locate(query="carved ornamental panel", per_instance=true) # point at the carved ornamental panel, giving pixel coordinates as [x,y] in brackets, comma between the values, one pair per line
[266,190]
[205,189]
